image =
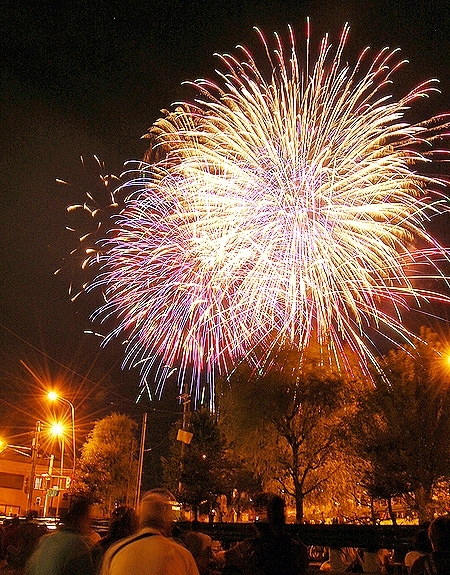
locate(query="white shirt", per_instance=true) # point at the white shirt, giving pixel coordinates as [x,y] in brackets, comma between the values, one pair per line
[147,552]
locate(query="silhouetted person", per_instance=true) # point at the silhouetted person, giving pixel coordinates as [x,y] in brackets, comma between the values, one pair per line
[421,546]
[200,545]
[123,523]
[341,559]
[374,560]
[23,541]
[272,551]
[438,561]
[66,551]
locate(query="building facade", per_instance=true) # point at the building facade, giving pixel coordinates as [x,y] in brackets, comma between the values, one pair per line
[49,495]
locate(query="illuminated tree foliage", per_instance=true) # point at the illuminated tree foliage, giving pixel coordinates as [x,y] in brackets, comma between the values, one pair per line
[403,427]
[289,422]
[107,467]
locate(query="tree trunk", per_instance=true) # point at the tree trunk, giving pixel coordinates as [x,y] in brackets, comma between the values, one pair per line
[299,499]
[372,511]
[422,497]
[391,511]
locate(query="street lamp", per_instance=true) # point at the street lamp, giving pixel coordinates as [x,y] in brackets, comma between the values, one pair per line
[57,429]
[53,396]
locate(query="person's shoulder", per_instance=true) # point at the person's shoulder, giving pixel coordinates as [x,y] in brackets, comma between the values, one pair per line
[418,567]
[411,557]
[170,542]
[52,538]
[134,538]
[175,549]
[241,549]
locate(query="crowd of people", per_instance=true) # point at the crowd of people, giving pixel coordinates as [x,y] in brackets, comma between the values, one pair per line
[149,543]
[429,555]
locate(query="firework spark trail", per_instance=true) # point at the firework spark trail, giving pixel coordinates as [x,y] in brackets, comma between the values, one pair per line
[278,208]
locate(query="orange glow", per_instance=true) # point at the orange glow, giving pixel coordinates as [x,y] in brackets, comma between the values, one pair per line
[57,429]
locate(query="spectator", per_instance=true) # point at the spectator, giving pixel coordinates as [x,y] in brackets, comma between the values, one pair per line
[23,541]
[12,527]
[421,546]
[272,551]
[375,561]
[200,545]
[66,551]
[150,551]
[2,546]
[342,559]
[123,523]
[438,561]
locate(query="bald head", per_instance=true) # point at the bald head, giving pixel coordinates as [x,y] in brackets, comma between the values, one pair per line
[156,511]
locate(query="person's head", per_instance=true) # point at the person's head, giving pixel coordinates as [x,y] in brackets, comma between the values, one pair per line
[123,522]
[78,517]
[156,511]
[421,541]
[275,510]
[260,505]
[439,533]
[31,515]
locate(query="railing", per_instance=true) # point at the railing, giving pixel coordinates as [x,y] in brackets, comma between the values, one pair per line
[397,537]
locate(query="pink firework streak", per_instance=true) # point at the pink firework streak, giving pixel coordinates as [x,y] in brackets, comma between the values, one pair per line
[271,210]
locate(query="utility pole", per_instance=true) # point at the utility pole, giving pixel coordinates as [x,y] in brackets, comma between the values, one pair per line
[34,455]
[141,461]
[183,434]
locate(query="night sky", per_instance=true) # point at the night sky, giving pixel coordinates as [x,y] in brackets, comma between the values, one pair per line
[89,78]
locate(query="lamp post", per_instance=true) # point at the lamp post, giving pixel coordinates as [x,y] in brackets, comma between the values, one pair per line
[53,396]
[58,430]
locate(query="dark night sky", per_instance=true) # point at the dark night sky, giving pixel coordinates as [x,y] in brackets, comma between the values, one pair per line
[83,78]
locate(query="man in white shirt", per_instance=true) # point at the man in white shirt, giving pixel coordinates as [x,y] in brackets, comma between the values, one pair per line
[150,551]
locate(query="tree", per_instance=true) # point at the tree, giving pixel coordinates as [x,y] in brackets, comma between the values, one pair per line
[403,425]
[108,463]
[206,467]
[289,421]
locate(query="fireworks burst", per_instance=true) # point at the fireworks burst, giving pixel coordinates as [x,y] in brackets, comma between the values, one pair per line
[270,210]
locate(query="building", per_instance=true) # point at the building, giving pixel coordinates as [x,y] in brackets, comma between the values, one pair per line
[49,496]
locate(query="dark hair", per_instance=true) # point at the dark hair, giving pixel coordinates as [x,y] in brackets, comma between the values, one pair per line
[260,500]
[80,509]
[439,533]
[123,522]
[275,510]
[421,541]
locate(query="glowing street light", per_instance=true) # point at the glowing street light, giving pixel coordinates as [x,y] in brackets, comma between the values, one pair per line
[57,429]
[53,396]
